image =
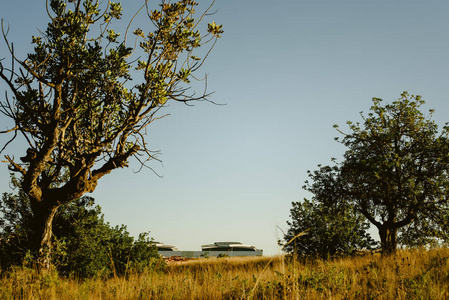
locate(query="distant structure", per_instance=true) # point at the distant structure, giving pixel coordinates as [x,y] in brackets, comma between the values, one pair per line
[210,250]
[231,247]
[163,247]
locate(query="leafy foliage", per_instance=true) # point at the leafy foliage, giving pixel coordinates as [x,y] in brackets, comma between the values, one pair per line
[331,226]
[396,173]
[426,231]
[15,229]
[85,244]
[396,168]
[76,104]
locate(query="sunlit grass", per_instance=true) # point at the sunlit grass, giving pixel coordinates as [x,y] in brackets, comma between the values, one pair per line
[410,274]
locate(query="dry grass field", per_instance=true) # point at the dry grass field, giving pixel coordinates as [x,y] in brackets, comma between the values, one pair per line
[410,274]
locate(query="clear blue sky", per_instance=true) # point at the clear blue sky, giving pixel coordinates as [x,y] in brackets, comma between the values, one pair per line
[287,71]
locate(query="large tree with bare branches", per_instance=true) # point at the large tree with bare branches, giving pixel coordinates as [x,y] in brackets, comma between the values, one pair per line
[74,101]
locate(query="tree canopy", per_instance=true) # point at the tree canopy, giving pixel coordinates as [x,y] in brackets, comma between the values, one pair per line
[395,171]
[76,103]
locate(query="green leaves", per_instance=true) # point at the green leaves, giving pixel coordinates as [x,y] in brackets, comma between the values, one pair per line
[116,10]
[215,29]
[331,228]
[76,104]
[139,32]
[91,243]
[58,6]
[36,40]
[155,15]
[395,173]
[396,169]
[333,225]
[184,75]
[112,36]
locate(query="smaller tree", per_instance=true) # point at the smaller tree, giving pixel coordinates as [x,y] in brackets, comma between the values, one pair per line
[332,227]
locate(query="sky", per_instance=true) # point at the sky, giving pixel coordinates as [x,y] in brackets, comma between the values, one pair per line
[286,72]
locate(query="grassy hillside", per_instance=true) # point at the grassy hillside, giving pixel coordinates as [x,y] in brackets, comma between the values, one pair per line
[410,274]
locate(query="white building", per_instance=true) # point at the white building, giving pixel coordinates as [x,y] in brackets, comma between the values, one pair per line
[211,250]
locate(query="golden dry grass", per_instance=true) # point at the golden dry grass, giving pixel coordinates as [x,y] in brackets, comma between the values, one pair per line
[410,274]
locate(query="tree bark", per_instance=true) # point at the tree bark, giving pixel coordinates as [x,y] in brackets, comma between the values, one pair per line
[388,239]
[43,216]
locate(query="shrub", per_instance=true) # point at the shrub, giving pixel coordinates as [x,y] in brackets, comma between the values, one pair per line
[84,245]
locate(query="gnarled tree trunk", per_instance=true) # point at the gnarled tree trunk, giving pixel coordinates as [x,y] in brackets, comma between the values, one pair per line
[388,239]
[43,216]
